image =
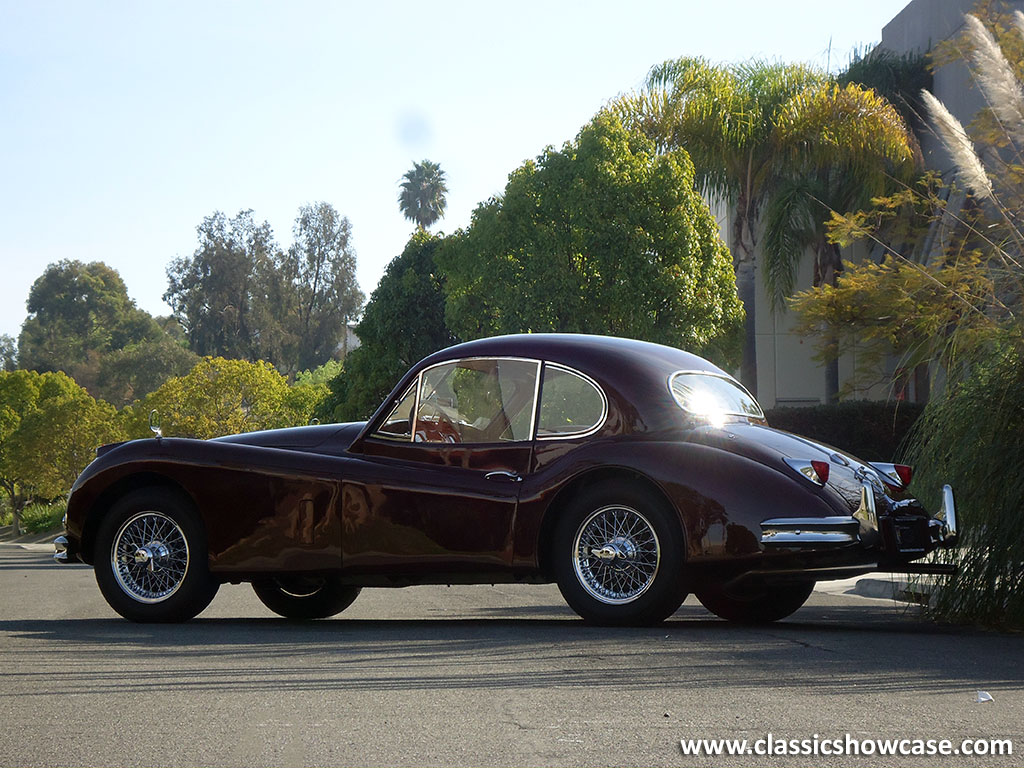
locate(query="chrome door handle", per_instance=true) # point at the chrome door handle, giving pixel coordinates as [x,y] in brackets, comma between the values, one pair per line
[504,474]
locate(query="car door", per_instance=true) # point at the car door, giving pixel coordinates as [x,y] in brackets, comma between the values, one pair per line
[436,491]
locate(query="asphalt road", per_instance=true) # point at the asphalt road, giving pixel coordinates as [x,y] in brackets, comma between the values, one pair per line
[501,675]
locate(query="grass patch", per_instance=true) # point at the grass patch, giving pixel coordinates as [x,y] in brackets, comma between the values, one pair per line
[35,518]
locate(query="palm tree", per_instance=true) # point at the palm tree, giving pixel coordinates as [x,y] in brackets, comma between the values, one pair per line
[725,117]
[778,136]
[422,198]
[845,144]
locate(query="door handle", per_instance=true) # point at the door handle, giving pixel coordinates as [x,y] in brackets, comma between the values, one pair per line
[504,474]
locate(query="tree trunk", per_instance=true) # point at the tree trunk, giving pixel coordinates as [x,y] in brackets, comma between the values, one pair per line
[18,502]
[828,265]
[746,289]
[832,375]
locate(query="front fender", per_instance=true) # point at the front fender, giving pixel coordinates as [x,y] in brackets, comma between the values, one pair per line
[264,509]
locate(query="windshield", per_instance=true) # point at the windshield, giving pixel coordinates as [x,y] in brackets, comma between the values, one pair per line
[712,397]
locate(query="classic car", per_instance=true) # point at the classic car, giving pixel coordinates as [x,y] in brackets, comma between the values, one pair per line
[629,473]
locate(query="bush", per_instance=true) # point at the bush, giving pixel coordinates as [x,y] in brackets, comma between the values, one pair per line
[42,517]
[36,518]
[971,440]
[868,429]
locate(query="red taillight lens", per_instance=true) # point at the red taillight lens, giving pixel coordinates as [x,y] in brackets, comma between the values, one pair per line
[905,473]
[821,469]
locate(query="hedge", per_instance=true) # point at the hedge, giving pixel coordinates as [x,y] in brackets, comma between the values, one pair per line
[869,429]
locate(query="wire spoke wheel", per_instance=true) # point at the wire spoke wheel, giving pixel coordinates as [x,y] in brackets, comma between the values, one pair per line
[616,554]
[149,557]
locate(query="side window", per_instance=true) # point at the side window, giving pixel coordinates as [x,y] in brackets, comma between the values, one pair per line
[398,424]
[569,404]
[477,401]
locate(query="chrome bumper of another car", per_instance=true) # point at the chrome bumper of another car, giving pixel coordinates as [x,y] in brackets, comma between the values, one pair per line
[903,528]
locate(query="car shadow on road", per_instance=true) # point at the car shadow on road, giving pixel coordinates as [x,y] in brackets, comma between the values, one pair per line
[827,649]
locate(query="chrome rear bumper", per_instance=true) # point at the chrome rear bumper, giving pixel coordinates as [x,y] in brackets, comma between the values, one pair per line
[891,528]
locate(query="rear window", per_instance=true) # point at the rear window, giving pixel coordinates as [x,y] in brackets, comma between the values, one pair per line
[712,396]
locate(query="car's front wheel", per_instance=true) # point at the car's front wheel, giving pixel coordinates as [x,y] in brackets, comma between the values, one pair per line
[305,596]
[754,603]
[150,558]
[618,556]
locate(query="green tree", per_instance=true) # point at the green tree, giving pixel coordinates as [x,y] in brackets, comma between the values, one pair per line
[846,144]
[129,374]
[224,293]
[422,197]
[8,352]
[725,117]
[403,322]
[899,78]
[321,268]
[603,236]
[221,397]
[78,314]
[49,431]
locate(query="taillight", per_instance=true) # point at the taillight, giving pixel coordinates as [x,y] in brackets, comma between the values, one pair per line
[815,471]
[905,472]
[896,476]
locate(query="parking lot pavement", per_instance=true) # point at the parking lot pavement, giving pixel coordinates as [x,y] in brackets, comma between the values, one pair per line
[503,675]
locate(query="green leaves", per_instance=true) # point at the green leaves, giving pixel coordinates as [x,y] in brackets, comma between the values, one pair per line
[222,397]
[602,236]
[49,431]
[404,321]
[422,198]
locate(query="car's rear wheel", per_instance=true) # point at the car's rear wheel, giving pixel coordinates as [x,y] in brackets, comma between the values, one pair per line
[754,603]
[305,596]
[618,555]
[151,558]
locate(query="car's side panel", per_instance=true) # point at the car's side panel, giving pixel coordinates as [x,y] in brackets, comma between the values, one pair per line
[412,509]
[265,509]
[720,497]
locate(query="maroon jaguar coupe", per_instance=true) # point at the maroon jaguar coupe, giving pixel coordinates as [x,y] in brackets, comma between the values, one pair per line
[629,473]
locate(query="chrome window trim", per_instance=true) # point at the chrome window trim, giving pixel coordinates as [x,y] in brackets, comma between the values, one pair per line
[412,433]
[726,377]
[496,358]
[604,404]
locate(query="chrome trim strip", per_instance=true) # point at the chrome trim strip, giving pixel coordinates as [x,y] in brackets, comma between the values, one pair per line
[797,523]
[809,531]
[806,538]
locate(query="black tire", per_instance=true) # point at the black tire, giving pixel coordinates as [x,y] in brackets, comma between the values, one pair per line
[754,603]
[638,578]
[305,597]
[151,557]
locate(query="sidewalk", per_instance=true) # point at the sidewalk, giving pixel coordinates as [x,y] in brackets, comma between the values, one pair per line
[880,586]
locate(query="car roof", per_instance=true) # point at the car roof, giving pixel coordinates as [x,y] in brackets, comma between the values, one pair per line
[598,356]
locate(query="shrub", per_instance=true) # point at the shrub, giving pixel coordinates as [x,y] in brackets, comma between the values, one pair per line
[41,517]
[971,440]
[868,429]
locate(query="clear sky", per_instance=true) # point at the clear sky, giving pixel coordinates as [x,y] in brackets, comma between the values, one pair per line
[123,124]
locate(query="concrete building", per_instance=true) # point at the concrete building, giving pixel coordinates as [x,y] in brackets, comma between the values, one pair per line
[787,373]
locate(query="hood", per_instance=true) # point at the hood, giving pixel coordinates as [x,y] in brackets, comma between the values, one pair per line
[320,438]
